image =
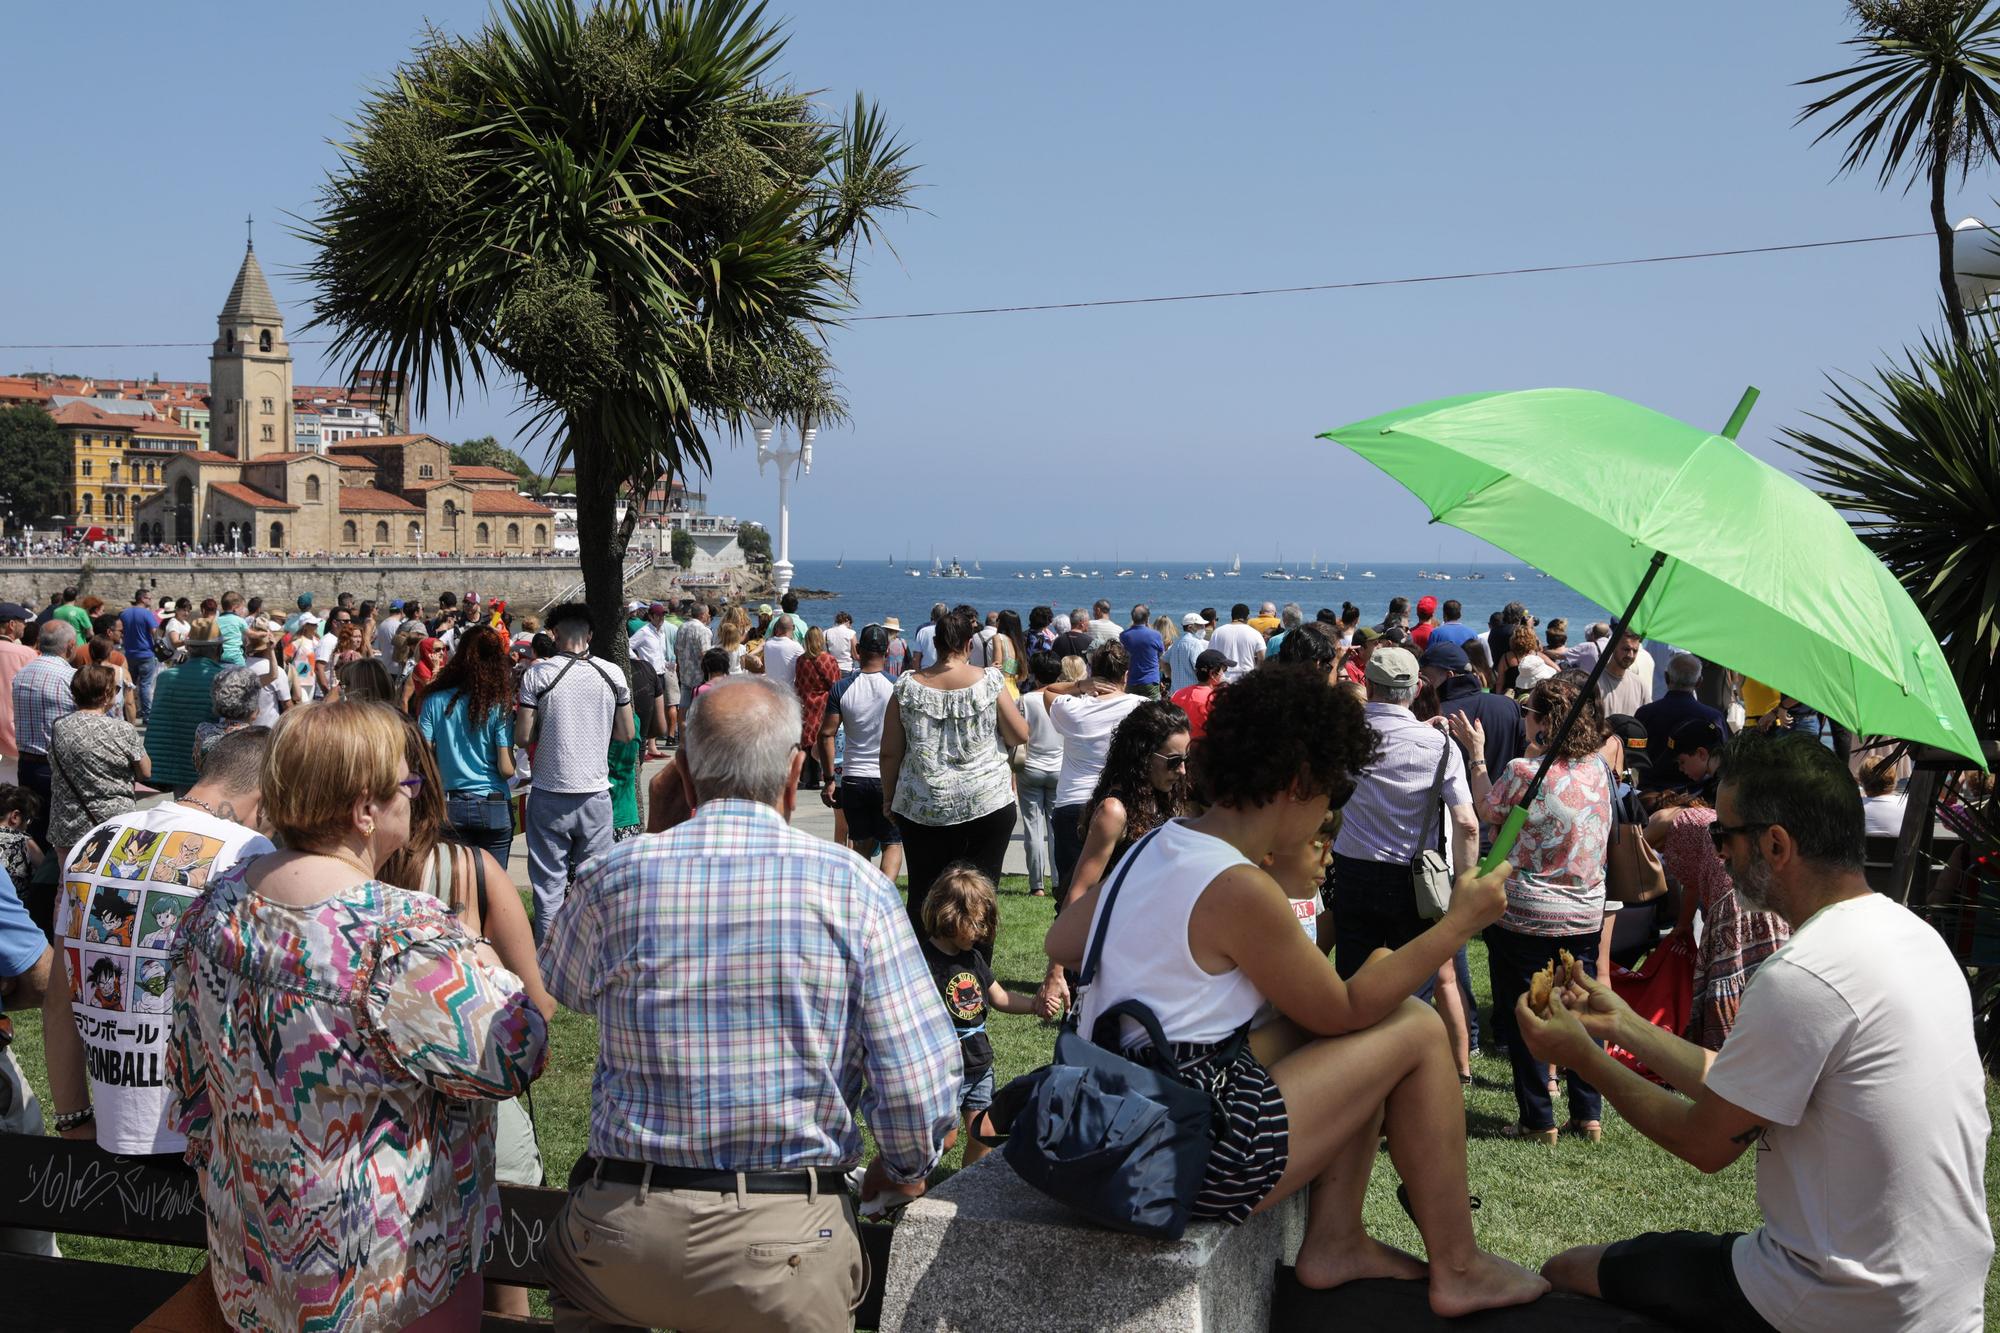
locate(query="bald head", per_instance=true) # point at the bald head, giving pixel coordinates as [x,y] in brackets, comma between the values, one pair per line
[741,742]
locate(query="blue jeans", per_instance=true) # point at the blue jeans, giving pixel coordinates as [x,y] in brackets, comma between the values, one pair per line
[1516,958]
[485,821]
[143,670]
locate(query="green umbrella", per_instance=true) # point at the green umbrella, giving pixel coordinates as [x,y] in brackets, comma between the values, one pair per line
[1710,549]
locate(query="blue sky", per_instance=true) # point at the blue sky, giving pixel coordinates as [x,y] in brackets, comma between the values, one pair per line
[1075,152]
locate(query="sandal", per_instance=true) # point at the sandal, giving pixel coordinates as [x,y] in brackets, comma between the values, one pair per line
[1518,1131]
[1591,1130]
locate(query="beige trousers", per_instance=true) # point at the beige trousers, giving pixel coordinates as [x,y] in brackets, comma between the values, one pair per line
[628,1256]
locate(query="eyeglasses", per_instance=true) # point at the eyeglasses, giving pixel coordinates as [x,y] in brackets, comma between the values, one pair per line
[1171,760]
[412,785]
[1722,833]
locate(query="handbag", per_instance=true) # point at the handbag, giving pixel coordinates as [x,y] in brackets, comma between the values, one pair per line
[1430,873]
[1122,1140]
[1661,991]
[1632,870]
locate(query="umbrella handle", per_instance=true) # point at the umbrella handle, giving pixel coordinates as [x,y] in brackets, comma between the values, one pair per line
[1503,841]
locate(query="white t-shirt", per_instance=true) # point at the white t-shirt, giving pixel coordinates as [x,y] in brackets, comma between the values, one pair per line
[1045,743]
[1086,726]
[1626,695]
[274,691]
[1884,814]
[840,642]
[385,636]
[781,660]
[576,702]
[174,629]
[981,652]
[126,886]
[921,651]
[304,654]
[1241,644]
[1103,632]
[862,701]
[1854,1045]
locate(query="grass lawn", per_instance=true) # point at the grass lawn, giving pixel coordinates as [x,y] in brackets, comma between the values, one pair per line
[1535,1200]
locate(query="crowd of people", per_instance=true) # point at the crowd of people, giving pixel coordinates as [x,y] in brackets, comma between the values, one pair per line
[316,929]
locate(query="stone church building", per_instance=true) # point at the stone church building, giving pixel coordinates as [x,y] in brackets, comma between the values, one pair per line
[380,494]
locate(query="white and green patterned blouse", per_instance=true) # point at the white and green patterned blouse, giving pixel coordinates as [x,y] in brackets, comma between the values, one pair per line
[954,767]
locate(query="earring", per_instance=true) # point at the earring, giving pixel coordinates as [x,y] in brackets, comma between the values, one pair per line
[368,829]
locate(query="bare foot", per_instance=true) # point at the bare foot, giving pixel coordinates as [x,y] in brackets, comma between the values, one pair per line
[1487,1283]
[1323,1267]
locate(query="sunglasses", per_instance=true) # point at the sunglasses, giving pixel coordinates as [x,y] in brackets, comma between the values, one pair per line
[1171,760]
[1719,834]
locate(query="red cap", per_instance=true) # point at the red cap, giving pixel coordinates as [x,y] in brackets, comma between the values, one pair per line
[1427,603]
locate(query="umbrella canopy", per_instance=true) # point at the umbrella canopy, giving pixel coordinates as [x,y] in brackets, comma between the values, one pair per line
[1760,574]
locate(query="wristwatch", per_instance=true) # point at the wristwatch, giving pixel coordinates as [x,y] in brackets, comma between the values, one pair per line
[65,1121]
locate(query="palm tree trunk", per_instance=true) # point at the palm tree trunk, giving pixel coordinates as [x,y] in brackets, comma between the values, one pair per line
[601,542]
[1954,312]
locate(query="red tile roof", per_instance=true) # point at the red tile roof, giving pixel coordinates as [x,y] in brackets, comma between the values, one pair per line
[236,490]
[164,430]
[208,457]
[387,442]
[368,500]
[360,463]
[19,386]
[474,473]
[83,414]
[291,456]
[505,502]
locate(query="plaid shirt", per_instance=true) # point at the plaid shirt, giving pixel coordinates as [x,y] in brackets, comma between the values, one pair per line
[41,698]
[749,979]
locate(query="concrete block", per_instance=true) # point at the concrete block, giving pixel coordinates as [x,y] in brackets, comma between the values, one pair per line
[985,1253]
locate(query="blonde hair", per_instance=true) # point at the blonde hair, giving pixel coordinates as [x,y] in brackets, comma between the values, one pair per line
[961,901]
[815,641]
[322,760]
[1073,668]
[731,636]
[203,628]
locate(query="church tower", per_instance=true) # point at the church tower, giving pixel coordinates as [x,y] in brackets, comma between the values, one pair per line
[250,370]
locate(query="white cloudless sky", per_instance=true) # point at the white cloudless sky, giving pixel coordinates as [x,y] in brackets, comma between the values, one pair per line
[1081,152]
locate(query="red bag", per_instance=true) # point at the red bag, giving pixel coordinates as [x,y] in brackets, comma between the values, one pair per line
[1661,991]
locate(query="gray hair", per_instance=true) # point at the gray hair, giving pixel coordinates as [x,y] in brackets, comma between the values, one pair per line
[1683,671]
[1598,630]
[743,749]
[1390,694]
[57,636]
[233,694]
[1291,616]
[1079,619]
[1267,609]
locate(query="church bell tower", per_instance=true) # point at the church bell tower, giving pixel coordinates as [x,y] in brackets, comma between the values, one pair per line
[250,370]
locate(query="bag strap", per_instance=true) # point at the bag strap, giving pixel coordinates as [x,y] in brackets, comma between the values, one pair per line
[1095,953]
[1433,806]
[479,887]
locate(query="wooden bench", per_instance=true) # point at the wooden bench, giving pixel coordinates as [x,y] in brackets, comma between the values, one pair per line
[53,1184]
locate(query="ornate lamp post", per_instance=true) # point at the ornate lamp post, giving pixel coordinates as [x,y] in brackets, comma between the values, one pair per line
[784,457]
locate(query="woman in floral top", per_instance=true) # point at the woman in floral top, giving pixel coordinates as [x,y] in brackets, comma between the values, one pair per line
[1555,894]
[338,1048]
[945,776]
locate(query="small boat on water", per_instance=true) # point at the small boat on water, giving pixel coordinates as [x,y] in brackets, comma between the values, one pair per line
[1367,573]
[1235,569]
[1193,578]
[1507,576]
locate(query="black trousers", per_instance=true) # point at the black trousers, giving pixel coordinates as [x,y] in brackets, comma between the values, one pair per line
[1374,907]
[1066,836]
[929,849]
[1516,958]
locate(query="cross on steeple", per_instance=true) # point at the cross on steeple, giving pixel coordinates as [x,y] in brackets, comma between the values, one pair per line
[249,237]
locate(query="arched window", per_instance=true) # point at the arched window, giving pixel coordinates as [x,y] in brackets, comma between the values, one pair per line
[312,488]
[541,534]
[349,533]
[264,341]
[426,470]
[484,535]
[86,504]
[382,532]
[277,536]
[229,340]
[450,514]
[119,500]
[416,532]
[513,534]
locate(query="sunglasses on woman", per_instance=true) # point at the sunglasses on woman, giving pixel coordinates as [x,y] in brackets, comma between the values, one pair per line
[1171,760]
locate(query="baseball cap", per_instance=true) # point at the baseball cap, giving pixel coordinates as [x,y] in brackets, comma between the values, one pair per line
[657,609]
[1368,634]
[874,641]
[15,611]
[1192,618]
[1447,657]
[1427,603]
[763,608]
[1699,734]
[1393,667]
[308,618]
[1210,660]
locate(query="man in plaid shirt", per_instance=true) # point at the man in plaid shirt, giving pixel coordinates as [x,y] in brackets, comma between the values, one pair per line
[757,990]
[41,698]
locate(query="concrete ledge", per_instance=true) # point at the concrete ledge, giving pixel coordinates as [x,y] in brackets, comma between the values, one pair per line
[985,1253]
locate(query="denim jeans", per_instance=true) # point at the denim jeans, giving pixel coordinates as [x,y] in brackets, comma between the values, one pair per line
[1516,958]
[482,820]
[1037,797]
[1374,907]
[143,670]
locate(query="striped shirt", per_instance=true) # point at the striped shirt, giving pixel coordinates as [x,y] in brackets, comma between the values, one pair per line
[756,989]
[41,697]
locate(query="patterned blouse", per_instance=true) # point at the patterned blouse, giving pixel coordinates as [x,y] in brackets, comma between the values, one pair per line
[334,1068]
[1734,940]
[954,767]
[1557,887]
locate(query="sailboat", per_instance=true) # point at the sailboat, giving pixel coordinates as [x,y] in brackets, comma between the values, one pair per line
[842,562]
[1235,569]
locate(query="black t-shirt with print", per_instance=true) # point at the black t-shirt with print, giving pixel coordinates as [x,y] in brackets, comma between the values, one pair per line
[962,980]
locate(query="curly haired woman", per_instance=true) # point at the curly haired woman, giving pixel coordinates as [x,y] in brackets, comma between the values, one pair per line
[1205,936]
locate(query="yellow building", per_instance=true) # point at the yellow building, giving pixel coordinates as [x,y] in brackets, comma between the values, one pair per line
[116,461]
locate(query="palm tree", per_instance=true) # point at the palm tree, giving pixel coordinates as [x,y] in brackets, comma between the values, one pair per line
[1923,97]
[1914,461]
[619,209]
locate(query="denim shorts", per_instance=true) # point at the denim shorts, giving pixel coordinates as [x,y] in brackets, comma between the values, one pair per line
[977,1096]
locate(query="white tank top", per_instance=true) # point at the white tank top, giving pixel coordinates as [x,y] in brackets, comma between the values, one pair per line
[1146,955]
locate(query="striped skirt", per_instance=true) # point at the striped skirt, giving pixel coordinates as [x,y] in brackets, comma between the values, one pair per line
[1252,1133]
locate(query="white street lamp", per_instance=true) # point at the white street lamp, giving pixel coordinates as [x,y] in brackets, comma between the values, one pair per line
[785,457]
